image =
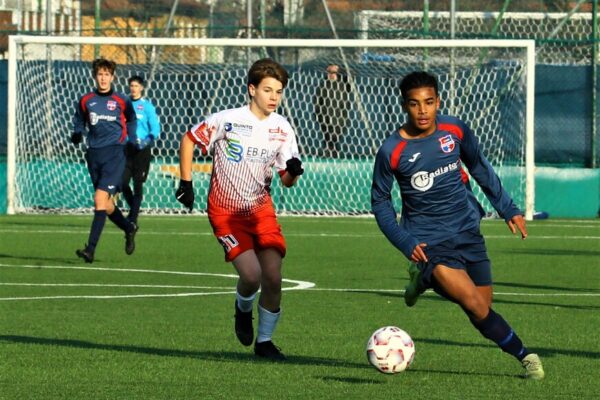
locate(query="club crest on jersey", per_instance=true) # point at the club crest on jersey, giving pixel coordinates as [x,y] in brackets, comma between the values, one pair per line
[447,144]
[111,105]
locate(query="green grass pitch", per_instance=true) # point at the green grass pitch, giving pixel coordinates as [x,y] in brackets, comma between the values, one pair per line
[159,324]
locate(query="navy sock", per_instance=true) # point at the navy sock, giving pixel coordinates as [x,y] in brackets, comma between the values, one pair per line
[136,202]
[119,220]
[127,194]
[96,229]
[495,328]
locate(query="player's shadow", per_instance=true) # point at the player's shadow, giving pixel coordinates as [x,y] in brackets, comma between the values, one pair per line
[40,223]
[546,287]
[346,379]
[542,351]
[222,356]
[431,296]
[41,260]
[503,300]
[557,252]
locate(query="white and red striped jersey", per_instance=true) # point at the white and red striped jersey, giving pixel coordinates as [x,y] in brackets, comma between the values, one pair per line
[245,149]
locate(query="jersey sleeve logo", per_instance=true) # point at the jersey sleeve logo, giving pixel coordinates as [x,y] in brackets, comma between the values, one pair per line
[447,143]
[202,133]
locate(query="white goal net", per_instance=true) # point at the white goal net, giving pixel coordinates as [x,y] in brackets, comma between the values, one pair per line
[489,84]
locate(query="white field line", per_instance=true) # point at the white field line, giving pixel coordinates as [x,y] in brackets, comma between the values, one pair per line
[299,285]
[315,234]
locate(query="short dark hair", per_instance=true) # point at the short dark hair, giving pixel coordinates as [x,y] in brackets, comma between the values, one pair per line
[267,68]
[137,78]
[418,79]
[103,63]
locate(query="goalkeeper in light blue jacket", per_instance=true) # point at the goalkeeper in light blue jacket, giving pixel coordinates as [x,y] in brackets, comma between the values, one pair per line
[139,153]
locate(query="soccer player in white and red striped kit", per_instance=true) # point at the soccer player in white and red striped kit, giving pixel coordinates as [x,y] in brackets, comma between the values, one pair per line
[246,144]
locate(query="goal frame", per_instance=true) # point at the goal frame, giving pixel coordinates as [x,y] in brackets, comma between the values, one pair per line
[527,45]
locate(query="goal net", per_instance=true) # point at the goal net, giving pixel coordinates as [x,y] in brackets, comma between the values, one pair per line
[489,84]
[562,37]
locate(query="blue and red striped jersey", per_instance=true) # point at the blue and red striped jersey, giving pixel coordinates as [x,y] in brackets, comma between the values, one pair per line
[107,118]
[437,201]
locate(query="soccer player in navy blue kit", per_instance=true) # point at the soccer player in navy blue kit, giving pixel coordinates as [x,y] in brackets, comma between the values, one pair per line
[106,118]
[139,152]
[439,226]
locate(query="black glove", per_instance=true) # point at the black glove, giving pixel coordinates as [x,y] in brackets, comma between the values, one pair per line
[185,194]
[294,166]
[76,137]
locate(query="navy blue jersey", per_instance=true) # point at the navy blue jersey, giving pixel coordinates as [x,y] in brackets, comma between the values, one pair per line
[437,201]
[109,118]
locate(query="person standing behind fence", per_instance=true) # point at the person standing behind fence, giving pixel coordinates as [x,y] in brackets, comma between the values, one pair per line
[332,102]
[139,152]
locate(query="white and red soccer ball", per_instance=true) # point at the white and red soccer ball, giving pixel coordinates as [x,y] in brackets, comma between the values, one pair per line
[390,350]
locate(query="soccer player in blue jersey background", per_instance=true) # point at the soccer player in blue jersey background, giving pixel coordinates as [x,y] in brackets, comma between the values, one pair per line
[107,118]
[439,225]
[139,152]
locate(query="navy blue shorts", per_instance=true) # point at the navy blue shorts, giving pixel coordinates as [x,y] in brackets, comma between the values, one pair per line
[106,166]
[465,250]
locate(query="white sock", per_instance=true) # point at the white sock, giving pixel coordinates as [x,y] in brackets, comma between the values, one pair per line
[267,322]
[245,304]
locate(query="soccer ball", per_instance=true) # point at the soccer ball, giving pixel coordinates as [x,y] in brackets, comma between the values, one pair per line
[390,350]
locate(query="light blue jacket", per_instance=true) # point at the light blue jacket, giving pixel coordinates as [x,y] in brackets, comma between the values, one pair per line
[148,125]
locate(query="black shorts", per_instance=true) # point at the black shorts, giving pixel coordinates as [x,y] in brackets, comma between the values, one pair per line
[138,164]
[106,165]
[465,250]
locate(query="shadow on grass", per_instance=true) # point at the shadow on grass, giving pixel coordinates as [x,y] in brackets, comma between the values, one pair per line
[546,287]
[346,379]
[431,296]
[544,304]
[542,351]
[37,223]
[204,355]
[411,370]
[229,356]
[557,252]
[41,261]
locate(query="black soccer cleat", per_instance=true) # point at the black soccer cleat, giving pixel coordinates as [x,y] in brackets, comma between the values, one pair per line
[130,240]
[269,351]
[243,326]
[87,255]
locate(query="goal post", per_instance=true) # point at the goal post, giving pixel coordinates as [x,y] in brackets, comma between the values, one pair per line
[487,83]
